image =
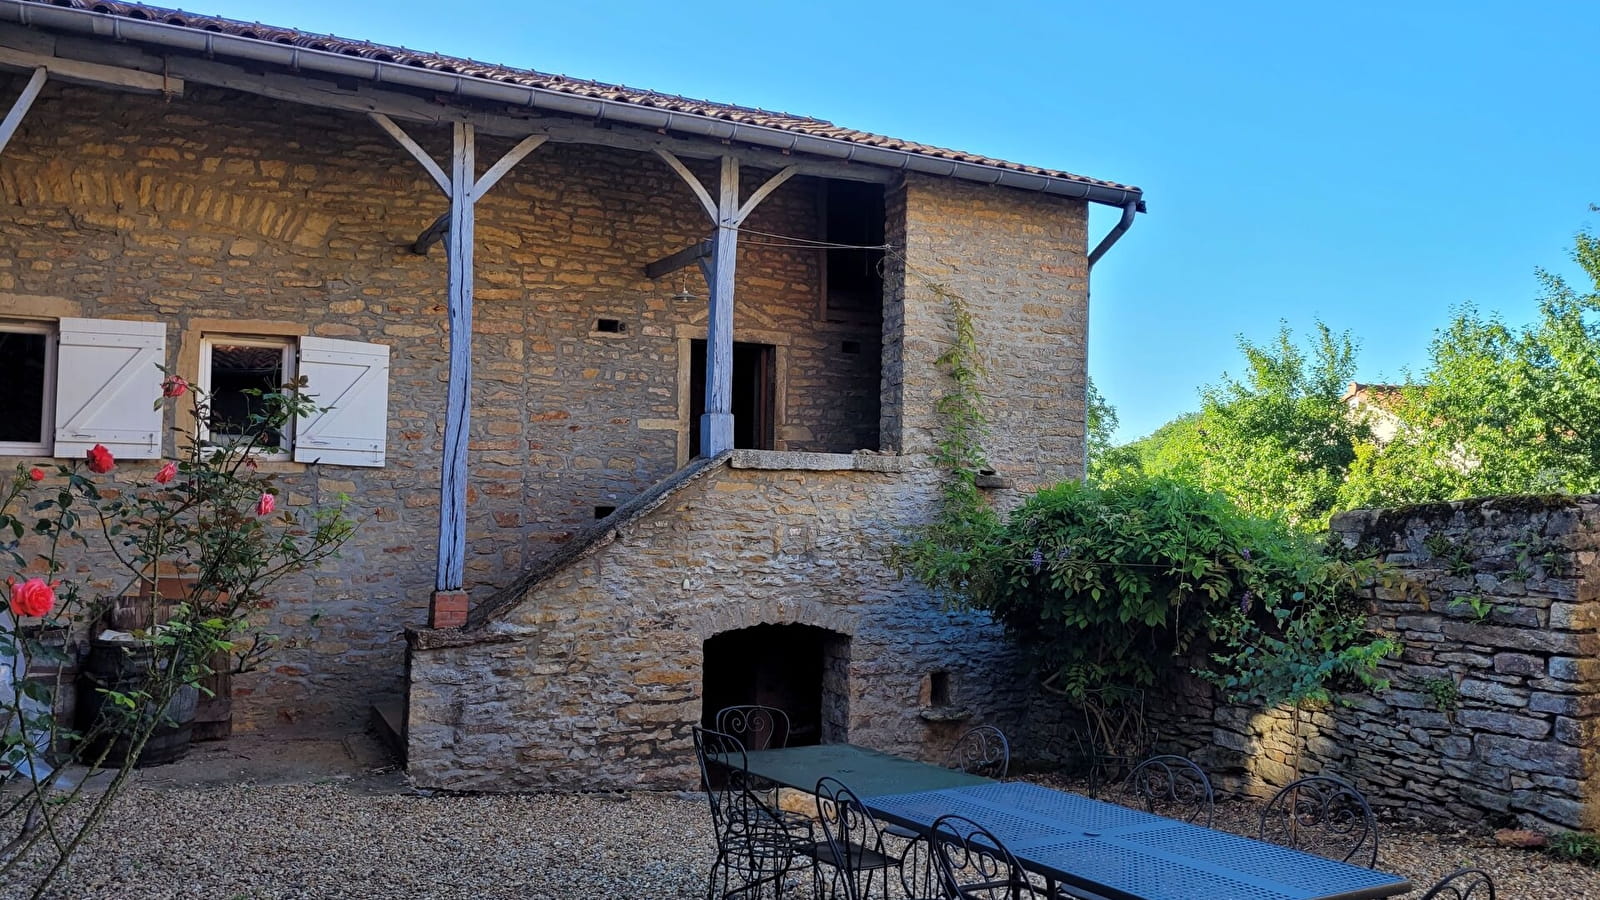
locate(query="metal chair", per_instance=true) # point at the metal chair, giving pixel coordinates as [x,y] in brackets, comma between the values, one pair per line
[1463,884]
[853,854]
[1173,786]
[759,727]
[918,878]
[972,864]
[982,751]
[1325,816]
[756,845]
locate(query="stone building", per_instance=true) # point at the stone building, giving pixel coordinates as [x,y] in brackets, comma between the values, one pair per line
[691,422]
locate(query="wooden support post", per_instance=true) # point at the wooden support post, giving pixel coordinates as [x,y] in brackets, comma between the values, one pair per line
[30,91]
[458,405]
[463,186]
[716,425]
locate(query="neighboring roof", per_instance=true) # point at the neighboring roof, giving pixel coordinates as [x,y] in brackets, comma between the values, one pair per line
[1101,191]
[1379,394]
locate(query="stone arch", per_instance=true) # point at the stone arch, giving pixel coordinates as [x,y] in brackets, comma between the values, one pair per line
[716,618]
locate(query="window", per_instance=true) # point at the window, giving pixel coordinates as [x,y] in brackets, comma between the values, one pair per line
[348,379]
[235,372]
[27,369]
[852,283]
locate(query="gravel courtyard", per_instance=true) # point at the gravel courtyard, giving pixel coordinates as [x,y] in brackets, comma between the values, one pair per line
[306,819]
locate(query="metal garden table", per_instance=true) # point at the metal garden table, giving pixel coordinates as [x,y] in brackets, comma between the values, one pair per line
[1104,849]
[1129,854]
[864,771]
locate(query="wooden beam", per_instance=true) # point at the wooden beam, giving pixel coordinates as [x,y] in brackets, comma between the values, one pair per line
[716,426]
[761,193]
[13,119]
[415,149]
[431,235]
[451,571]
[91,73]
[689,178]
[687,256]
[513,156]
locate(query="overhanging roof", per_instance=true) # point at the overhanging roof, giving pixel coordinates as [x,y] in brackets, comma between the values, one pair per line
[471,82]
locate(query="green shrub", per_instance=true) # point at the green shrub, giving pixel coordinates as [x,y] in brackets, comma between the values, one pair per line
[1106,586]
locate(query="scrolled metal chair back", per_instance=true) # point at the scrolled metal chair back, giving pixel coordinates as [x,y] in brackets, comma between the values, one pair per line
[972,864]
[1325,816]
[759,727]
[1173,786]
[983,750]
[753,846]
[1463,884]
[919,880]
[853,836]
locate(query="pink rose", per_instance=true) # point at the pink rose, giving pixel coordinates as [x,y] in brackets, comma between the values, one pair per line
[174,386]
[34,597]
[36,473]
[100,459]
[266,505]
[167,473]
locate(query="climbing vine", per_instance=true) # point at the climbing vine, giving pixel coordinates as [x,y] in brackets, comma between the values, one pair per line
[943,553]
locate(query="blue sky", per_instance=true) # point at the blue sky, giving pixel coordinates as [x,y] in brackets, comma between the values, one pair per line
[1370,164]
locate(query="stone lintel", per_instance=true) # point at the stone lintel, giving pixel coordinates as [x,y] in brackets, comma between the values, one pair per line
[774,460]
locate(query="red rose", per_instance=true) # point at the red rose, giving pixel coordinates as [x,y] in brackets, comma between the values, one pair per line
[33,597]
[167,473]
[266,505]
[36,473]
[174,386]
[100,459]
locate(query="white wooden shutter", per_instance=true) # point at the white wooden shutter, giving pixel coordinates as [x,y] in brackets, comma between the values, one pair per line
[107,382]
[351,379]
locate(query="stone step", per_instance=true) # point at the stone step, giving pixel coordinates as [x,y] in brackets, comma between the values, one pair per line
[388,723]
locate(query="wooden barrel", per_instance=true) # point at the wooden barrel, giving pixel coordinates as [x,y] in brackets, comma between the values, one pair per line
[213,714]
[124,666]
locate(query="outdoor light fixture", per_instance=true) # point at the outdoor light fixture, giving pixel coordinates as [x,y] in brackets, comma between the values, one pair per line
[684,295]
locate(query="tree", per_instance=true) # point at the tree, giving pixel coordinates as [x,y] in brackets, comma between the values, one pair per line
[1100,421]
[1504,410]
[1277,442]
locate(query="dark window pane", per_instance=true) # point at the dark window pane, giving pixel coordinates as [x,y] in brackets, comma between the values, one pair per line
[22,378]
[235,371]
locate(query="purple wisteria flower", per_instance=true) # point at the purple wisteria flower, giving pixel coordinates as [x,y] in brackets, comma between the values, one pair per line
[1244,552]
[1244,602]
[1037,559]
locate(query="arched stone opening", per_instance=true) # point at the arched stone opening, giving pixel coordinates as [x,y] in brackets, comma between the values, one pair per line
[801,669]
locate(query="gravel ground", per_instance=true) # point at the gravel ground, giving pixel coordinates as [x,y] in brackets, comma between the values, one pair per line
[367,835]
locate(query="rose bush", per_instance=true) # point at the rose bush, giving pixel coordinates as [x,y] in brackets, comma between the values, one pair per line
[205,516]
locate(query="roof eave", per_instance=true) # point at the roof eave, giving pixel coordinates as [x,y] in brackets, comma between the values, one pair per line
[471,87]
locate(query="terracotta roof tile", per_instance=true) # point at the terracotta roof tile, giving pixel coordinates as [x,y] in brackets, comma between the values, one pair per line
[575,86]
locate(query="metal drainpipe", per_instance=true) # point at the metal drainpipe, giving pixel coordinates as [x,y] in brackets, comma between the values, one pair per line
[1129,210]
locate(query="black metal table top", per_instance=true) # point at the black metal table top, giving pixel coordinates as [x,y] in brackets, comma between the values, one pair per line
[1130,854]
[864,771]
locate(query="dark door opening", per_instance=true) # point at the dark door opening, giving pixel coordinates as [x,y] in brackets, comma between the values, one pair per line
[772,665]
[754,375]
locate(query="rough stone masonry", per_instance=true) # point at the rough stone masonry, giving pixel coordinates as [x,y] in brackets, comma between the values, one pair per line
[1494,702]
[224,213]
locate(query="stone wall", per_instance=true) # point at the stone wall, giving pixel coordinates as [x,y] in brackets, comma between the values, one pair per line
[591,676]
[231,213]
[1495,701]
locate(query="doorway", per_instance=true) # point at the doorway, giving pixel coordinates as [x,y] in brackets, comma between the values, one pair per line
[754,375]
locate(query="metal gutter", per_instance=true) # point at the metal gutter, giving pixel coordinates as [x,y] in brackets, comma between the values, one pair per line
[469,87]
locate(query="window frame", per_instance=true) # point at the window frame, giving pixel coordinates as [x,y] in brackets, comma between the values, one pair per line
[45,447]
[290,347]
